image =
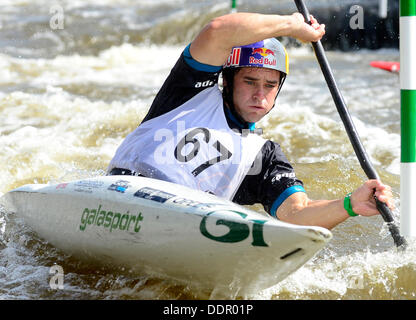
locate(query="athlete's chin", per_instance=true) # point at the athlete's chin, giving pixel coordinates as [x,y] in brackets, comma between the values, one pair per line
[255,116]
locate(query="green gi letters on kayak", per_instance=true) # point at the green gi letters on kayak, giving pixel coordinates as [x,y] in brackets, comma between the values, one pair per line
[110,219]
[237,231]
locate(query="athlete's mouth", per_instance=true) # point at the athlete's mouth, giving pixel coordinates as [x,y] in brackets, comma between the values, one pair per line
[257,107]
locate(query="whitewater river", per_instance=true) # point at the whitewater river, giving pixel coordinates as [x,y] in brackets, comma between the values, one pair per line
[72,89]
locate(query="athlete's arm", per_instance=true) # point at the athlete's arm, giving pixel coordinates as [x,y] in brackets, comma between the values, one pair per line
[299,209]
[213,44]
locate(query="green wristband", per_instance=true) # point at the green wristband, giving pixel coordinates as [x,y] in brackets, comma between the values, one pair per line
[347,205]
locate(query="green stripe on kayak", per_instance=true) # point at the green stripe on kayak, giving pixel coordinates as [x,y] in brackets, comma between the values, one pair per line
[407,8]
[408,125]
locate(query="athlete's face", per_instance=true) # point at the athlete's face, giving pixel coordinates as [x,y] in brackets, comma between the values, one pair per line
[255,91]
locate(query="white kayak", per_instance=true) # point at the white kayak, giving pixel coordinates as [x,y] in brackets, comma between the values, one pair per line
[157,228]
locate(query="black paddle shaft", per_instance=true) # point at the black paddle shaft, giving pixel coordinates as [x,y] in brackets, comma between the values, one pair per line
[350,128]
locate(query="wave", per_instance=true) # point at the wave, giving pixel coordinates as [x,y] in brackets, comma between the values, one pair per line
[39,29]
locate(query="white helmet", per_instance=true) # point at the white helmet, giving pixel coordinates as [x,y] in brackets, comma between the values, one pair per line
[269,53]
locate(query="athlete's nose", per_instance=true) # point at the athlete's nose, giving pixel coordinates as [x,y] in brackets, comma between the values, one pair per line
[259,94]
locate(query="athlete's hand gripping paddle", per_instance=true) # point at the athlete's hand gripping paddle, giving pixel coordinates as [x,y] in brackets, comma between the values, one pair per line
[351,131]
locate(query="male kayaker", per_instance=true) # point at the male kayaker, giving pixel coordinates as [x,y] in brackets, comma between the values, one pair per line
[198,136]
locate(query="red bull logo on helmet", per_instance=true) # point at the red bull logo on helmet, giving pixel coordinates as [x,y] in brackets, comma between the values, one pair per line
[256,57]
[262,52]
[262,56]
